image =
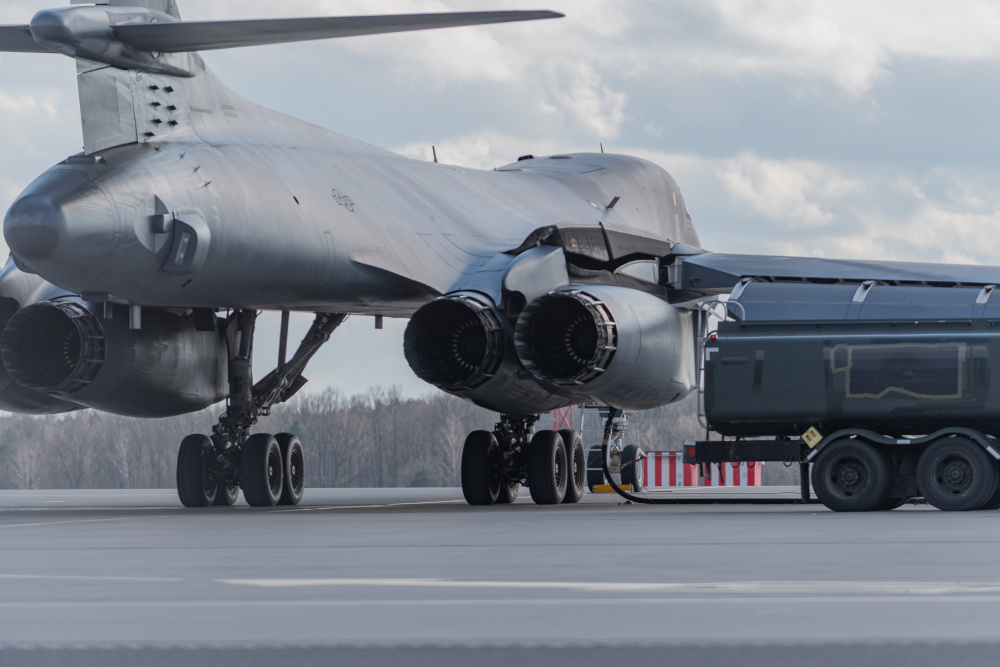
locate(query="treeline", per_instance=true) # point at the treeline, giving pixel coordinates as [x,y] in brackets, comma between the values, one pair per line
[378,439]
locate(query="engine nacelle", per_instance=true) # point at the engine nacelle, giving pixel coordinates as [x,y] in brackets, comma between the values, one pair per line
[19,289]
[618,346]
[462,345]
[65,349]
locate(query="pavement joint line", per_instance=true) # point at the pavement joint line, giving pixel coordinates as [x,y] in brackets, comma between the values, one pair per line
[603,602]
[500,645]
[55,577]
[76,521]
[361,507]
[731,587]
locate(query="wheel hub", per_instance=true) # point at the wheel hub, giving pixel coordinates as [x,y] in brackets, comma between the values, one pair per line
[849,477]
[956,475]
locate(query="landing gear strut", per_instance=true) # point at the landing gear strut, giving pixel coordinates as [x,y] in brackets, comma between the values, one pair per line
[269,469]
[496,464]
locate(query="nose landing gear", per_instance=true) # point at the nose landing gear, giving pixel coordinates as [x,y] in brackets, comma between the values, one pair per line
[269,468]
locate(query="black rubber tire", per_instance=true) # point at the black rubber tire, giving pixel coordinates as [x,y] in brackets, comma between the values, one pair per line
[594,477]
[225,495]
[195,486]
[890,503]
[547,470]
[262,471]
[508,493]
[957,475]
[635,473]
[576,465]
[851,476]
[293,467]
[994,502]
[480,481]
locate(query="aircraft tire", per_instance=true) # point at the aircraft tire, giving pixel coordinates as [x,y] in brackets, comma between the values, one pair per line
[594,477]
[633,474]
[225,495]
[851,476]
[576,466]
[957,475]
[480,484]
[547,470]
[508,493]
[293,465]
[195,486]
[262,471]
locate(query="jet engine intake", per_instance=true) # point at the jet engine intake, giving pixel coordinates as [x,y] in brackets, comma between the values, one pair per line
[614,345]
[64,348]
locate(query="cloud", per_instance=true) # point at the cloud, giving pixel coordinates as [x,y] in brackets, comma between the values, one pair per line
[850,42]
[791,191]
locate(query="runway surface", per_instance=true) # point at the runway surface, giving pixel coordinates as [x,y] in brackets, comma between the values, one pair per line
[415,576]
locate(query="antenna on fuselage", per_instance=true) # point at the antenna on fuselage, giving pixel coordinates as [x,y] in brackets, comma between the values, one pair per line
[435,151]
[602,148]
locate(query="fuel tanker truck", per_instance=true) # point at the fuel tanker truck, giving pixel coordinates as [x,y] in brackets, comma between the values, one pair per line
[887,392]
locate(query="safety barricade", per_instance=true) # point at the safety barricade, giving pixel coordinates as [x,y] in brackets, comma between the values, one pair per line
[667,469]
[748,473]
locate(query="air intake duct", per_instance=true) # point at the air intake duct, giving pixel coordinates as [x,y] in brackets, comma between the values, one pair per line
[613,345]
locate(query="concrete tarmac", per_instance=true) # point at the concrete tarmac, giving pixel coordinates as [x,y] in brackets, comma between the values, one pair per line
[415,576]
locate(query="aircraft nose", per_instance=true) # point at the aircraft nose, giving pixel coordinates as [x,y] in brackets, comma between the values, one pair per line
[33,227]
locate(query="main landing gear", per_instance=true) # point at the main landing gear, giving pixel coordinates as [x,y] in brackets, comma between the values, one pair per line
[496,464]
[270,469]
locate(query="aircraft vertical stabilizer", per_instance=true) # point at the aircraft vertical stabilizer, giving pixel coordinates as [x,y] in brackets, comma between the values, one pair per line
[119,106]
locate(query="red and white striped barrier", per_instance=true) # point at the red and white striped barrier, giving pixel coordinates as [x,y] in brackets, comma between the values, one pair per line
[666,469]
[727,474]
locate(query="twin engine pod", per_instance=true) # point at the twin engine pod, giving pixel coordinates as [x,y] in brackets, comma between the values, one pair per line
[62,348]
[618,346]
[613,345]
[463,345]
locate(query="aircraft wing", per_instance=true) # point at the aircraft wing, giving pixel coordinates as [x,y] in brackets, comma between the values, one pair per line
[711,272]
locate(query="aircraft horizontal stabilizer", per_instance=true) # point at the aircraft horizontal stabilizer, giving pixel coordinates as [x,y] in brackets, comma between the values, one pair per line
[18,39]
[183,36]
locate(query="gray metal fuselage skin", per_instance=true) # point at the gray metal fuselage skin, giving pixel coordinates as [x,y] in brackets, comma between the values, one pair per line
[220,204]
[292,216]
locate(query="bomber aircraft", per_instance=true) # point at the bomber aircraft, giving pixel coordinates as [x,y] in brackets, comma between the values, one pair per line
[138,267]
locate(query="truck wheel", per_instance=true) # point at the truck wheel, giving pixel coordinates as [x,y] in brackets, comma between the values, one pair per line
[633,474]
[851,476]
[595,475]
[891,503]
[994,502]
[957,475]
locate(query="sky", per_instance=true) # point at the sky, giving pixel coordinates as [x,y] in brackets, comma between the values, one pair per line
[849,129]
